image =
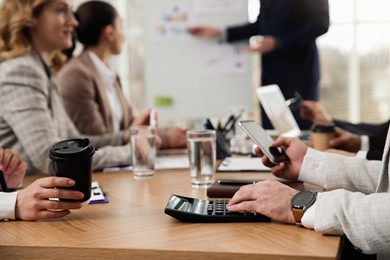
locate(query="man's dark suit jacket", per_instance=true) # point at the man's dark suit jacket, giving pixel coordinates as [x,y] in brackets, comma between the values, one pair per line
[294,65]
[375,132]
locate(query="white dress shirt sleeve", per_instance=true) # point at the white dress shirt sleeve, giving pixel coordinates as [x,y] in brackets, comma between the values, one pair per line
[223,37]
[7,205]
[365,143]
[312,170]
[361,154]
[309,215]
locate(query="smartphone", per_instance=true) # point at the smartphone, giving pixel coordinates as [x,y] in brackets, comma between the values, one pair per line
[264,141]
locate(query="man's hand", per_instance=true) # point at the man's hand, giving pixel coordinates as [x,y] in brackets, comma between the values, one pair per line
[346,141]
[205,32]
[264,45]
[269,197]
[295,150]
[315,112]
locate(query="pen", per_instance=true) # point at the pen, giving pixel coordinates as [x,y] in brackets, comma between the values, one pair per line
[209,125]
[233,122]
[152,118]
[224,128]
[237,182]
[3,183]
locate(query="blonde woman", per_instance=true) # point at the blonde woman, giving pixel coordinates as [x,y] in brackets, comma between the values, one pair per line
[32,116]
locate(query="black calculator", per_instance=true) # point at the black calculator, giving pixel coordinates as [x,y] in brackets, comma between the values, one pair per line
[207,211]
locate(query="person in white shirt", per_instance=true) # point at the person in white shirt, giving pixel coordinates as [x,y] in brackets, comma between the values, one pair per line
[356,200]
[33,202]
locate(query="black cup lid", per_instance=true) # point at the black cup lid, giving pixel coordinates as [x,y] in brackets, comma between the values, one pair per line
[329,128]
[72,148]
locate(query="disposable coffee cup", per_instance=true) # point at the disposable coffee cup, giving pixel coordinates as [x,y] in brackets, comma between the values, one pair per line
[321,136]
[73,159]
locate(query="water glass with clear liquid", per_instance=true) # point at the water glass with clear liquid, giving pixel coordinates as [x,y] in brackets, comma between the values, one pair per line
[201,146]
[143,150]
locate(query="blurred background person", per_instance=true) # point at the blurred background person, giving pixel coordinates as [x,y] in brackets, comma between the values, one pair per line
[32,116]
[289,29]
[90,87]
[367,139]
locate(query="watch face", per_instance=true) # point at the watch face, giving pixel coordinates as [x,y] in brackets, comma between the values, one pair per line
[303,198]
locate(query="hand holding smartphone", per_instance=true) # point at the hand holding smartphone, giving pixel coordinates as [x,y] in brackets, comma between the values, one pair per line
[263,141]
[296,102]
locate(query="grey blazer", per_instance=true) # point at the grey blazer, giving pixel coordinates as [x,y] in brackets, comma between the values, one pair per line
[32,117]
[359,201]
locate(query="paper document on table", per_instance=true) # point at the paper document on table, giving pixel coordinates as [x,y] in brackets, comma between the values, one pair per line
[172,162]
[97,194]
[165,162]
[242,164]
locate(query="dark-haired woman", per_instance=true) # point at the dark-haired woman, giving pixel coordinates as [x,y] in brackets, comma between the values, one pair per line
[89,85]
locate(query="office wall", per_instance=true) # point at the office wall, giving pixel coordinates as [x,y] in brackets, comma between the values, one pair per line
[194,78]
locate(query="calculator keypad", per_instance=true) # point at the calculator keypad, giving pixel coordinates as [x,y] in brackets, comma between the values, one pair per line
[218,207]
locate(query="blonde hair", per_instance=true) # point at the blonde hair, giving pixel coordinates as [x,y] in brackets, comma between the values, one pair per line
[16,18]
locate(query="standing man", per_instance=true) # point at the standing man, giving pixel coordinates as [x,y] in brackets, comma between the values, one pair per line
[289,51]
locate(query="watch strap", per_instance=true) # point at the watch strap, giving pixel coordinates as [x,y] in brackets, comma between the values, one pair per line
[298,214]
[298,207]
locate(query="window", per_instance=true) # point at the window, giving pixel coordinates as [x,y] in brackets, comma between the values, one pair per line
[355,82]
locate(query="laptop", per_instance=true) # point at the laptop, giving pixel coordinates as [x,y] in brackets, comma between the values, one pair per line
[280,115]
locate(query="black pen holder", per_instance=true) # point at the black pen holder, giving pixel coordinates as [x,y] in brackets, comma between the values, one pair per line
[223,146]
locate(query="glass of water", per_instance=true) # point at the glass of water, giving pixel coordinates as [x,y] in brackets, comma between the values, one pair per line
[201,146]
[143,150]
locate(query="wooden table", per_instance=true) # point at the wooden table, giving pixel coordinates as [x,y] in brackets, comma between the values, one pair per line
[133,226]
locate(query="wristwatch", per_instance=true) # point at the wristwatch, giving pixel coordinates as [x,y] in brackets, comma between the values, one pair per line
[300,203]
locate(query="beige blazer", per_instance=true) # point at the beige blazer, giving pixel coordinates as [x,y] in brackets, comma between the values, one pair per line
[85,99]
[358,203]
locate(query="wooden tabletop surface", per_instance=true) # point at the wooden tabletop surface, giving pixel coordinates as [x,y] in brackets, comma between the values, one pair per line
[133,226]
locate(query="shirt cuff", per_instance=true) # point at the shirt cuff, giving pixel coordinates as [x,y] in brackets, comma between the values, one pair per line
[312,168]
[361,154]
[309,215]
[223,38]
[7,205]
[365,143]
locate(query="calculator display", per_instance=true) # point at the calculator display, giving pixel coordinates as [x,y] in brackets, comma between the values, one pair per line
[188,205]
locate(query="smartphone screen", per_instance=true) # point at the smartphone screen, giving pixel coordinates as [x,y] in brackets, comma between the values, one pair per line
[264,141]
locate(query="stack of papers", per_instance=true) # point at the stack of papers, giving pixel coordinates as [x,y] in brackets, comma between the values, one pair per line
[242,164]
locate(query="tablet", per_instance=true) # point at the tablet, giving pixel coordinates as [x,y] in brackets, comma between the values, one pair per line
[274,105]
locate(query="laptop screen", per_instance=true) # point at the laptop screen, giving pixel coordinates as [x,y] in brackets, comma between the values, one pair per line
[274,105]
